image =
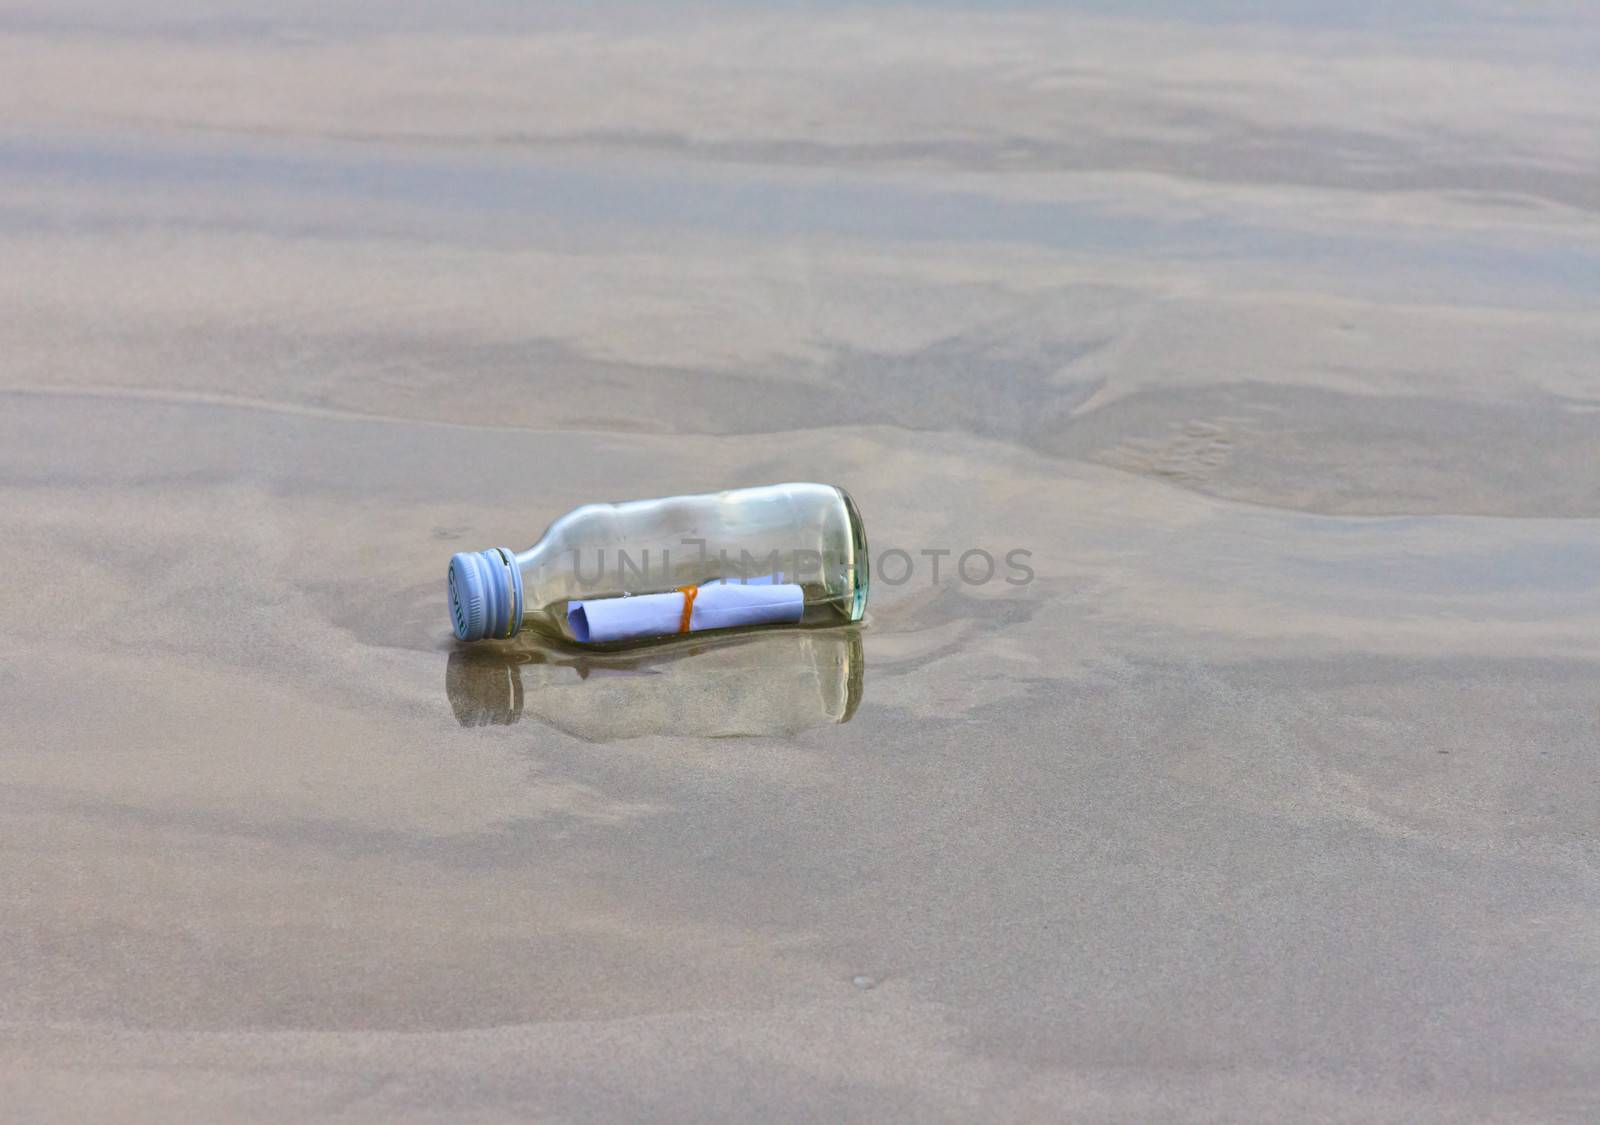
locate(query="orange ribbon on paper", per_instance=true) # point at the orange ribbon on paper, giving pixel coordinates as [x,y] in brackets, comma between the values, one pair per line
[688,593]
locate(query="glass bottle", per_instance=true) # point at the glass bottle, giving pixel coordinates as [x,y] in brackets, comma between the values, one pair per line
[804,543]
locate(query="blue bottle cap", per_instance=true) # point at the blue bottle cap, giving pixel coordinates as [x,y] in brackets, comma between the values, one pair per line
[485,590]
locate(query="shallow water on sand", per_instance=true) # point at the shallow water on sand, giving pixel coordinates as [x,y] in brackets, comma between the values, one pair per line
[1271,796]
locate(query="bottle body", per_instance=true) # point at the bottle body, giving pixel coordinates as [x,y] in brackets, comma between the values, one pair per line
[801,544]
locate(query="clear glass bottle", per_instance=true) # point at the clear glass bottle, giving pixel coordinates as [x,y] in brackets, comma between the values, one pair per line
[805,542]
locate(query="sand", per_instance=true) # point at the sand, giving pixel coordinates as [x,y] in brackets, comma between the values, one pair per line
[1271,797]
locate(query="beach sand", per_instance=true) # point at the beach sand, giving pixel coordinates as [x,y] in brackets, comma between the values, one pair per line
[1271,797]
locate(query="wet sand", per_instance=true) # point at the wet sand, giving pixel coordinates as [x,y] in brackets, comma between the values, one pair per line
[1271,797]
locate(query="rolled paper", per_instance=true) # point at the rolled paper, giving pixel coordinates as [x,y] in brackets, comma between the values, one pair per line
[717,605]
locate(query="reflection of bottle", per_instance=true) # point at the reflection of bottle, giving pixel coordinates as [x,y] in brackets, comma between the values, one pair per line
[804,542]
[771,683]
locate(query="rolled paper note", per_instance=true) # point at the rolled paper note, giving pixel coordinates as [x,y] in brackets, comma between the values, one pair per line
[717,605]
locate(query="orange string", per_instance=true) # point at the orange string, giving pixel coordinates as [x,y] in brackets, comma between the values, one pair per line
[688,593]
